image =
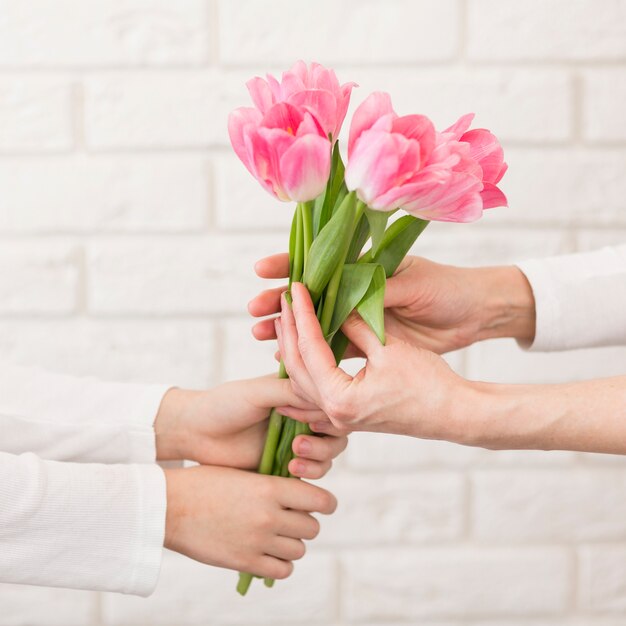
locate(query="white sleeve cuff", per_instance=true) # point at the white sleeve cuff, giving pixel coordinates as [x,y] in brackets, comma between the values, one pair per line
[580,299]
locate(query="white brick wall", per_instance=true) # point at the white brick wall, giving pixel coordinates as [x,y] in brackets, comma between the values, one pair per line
[128,232]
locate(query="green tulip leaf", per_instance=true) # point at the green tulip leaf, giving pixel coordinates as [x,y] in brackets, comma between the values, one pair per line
[358,240]
[330,247]
[396,242]
[372,306]
[355,281]
[378,222]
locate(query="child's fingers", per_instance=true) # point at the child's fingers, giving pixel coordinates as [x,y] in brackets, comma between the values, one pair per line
[270,567]
[319,448]
[307,414]
[310,470]
[298,525]
[286,548]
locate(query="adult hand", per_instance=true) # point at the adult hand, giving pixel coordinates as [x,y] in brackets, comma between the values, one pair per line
[226,426]
[434,306]
[241,520]
[402,389]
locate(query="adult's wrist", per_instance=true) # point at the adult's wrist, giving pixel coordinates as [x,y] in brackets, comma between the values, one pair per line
[170,428]
[508,304]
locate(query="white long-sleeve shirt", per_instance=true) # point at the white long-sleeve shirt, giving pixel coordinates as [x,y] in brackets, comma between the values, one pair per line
[580,299]
[82,501]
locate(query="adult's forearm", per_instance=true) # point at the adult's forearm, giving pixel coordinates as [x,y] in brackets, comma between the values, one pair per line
[585,416]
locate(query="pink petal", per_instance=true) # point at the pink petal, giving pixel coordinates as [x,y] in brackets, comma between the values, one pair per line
[285,116]
[260,93]
[493,197]
[371,109]
[239,122]
[305,167]
[322,104]
[502,172]
[373,166]
[486,150]
[417,127]
[460,126]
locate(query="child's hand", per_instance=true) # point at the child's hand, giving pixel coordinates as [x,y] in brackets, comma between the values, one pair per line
[241,520]
[226,426]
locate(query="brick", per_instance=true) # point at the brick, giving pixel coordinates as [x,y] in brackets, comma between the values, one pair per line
[545,505]
[242,355]
[505,30]
[35,114]
[23,605]
[378,452]
[122,32]
[175,352]
[483,243]
[563,187]
[602,578]
[38,278]
[248,31]
[394,508]
[176,275]
[519,105]
[409,584]
[604,97]
[163,109]
[592,239]
[99,193]
[190,593]
[503,361]
[242,204]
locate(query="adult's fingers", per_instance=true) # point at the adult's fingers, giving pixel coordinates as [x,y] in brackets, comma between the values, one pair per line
[316,353]
[361,335]
[275,266]
[266,303]
[302,496]
[287,335]
[396,289]
[265,330]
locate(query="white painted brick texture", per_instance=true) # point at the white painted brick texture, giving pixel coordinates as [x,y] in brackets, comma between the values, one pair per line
[128,232]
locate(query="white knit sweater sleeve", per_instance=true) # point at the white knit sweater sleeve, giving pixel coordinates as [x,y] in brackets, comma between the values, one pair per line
[580,299]
[83,526]
[64,418]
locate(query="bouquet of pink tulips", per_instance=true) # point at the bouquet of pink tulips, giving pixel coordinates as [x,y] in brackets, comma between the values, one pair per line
[288,142]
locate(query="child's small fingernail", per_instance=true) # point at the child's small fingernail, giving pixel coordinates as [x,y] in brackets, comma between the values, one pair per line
[304,446]
[297,467]
[319,426]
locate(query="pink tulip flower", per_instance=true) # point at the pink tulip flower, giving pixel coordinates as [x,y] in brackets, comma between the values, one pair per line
[487,151]
[285,149]
[313,88]
[449,176]
[386,152]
